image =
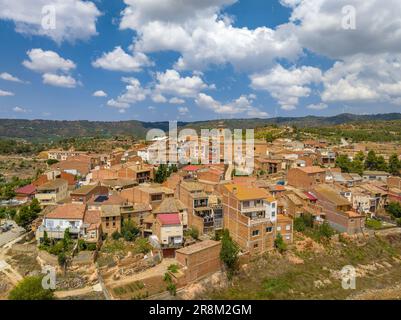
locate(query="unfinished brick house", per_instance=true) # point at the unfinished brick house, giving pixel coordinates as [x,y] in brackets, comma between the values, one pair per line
[250,215]
[200,214]
[338,210]
[199,260]
[306,177]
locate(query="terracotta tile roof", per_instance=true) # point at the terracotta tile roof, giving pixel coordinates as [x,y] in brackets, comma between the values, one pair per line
[68,211]
[52,184]
[169,219]
[92,217]
[28,190]
[191,168]
[170,205]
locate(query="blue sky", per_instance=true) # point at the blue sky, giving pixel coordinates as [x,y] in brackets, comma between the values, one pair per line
[187,60]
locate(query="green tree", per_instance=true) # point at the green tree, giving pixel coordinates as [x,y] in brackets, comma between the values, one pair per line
[25,216]
[31,288]
[344,163]
[279,243]
[394,165]
[371,161]
[360,156]
[357,166]
[229,252]
[381,164]
[269,137]
[394,208]
[129,230]
[161,173]
[35,206]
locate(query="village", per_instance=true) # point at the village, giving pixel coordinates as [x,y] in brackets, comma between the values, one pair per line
[117,226]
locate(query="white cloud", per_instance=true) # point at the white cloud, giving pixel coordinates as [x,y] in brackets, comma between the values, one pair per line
[9,77]
[99,93]
[364,78]
[183,110]
[318,26]
[319,106]
[119,60]
[171,83]
[134,92]
[241,105]
[158,98]
[176,100]
[204,36]
[59,80]
[5,93]
[75,19]
[287,86]
[47,61]
[20,110]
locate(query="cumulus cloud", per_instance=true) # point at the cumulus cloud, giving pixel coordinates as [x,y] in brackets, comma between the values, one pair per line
[183,110]
[176,100]
[99,93]
[63,81]
[74,19]
[241,105]
[134,92]
[319,26]
[9,77]
[119,60]
[47,61]
[364,78]
[203,35]
[4,93]
[20,110]
[171,83]
[287,86]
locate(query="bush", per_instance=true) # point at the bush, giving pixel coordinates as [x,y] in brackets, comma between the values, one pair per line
[394,209]
[52,161]
[31,288]
[373,224]
[173,268]
[193,232]
[280,244]
[129,230]
[229,252]
[116,235]
[172,288]
[143,245]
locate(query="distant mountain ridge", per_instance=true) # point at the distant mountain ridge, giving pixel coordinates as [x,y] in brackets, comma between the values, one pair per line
[47,130]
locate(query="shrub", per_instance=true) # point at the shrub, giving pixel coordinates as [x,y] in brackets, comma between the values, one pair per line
[116,235]
[193,232]
[143,245]
[31,288]
[229,252]
[280,244]
[173,268]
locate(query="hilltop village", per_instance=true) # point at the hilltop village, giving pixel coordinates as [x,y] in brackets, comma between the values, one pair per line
[116,226]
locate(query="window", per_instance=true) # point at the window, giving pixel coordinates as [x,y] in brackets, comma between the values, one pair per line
[273,214]
[269,229]
[278,228]
[288,237]
[255,245]
[255,233]
[288,227]
[245,204]
[273,205]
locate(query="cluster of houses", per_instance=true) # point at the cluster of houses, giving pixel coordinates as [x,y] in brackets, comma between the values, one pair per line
[94,194]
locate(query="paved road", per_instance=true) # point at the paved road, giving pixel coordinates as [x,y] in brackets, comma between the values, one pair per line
[9,236]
